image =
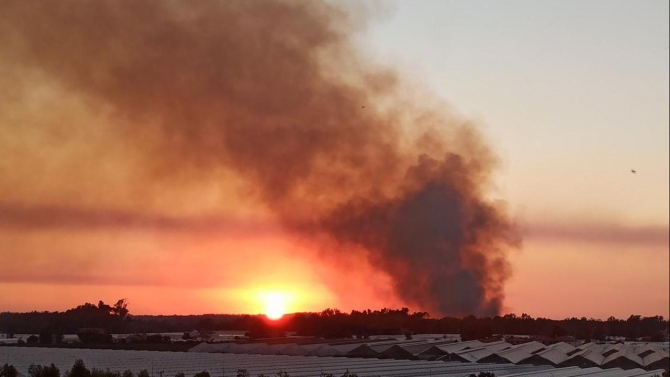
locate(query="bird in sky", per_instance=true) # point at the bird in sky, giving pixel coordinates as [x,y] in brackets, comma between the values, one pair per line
[633,171]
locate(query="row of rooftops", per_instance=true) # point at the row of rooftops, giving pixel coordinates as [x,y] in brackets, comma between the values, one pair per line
[646,356]
[226,364]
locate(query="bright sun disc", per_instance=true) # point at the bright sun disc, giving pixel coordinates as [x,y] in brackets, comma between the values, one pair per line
[274,313]
[275,305]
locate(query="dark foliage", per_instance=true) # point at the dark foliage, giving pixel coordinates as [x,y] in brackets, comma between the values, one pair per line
[78,370]
[46,337]
[8,371]
[53,324]
[95,323]
[333,324]
[104,373]
[94,335]
[43,371]
[157,339]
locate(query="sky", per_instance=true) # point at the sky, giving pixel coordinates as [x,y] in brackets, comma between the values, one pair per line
[96,204]
[573,95]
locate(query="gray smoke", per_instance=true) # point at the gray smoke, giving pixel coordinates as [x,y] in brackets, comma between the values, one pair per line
[276,92]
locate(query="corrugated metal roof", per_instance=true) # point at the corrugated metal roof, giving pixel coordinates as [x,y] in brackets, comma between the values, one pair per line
[453,347]
[562,347]
[584,358]
[397,352]
[363,350]
[487,349]
[646,348]
[515,356]
[417,348]
[621,356]
[324,350]
[169,363]
[530,347]
[553,356]
[625,358]
[612,349]
[652,357]
[563,372]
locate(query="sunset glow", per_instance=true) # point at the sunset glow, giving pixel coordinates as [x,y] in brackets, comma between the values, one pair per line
[275,304]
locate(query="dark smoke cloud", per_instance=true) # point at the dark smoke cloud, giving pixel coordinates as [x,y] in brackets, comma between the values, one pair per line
[275,92]
[438,239]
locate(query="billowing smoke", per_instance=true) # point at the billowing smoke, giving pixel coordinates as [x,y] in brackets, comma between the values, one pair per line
[343,153]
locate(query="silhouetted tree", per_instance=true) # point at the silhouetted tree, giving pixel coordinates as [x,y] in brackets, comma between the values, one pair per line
[204,373]
[120,309]
[78,370]
[43,371]
[8,371]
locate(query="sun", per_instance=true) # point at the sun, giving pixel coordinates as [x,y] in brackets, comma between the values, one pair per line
[275,305]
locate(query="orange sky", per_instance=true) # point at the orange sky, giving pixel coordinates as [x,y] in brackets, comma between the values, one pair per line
[105,194]
[183,273]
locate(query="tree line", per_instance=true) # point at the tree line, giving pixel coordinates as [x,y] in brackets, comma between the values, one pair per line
[332,323]
[115,319]
[96,322]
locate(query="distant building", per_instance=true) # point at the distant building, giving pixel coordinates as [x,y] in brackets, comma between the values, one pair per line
[515,340]
[94,335]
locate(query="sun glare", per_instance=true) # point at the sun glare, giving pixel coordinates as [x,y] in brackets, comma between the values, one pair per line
[275,305]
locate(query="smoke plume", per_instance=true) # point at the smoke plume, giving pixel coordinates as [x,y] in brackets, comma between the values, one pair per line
[345,154]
